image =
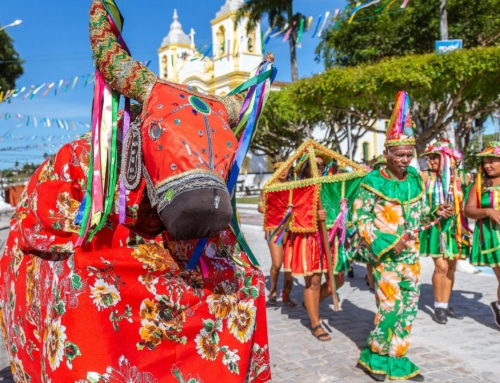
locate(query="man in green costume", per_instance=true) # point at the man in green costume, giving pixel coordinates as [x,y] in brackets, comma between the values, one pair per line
[388,213]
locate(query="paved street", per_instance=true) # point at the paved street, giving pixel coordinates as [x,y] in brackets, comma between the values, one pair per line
[462,351]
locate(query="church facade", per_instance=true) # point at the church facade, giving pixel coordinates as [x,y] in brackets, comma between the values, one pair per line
[227,63]
[222,66]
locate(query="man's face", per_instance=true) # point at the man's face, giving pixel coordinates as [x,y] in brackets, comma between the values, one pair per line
[398,159]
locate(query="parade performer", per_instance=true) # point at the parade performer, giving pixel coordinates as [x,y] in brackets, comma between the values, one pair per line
[313,210]
[305,257]
[388,212]
[112,276]
[277,251]
[380,163]
[483,205]
[445,243]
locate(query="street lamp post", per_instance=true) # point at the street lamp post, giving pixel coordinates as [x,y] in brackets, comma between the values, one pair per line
[13,24]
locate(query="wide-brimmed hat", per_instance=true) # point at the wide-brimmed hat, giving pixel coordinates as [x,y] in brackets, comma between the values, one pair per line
[443,147]
[491,150]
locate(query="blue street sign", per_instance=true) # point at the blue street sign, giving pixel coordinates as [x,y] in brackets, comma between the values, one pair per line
[446,46]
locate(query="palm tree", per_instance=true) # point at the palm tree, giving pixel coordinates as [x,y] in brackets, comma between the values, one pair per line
[279,13]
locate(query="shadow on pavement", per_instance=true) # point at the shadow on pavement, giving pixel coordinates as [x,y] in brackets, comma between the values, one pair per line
[466,303]
[6,375]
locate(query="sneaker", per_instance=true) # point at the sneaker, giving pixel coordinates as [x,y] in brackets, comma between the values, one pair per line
[440,316]
[452,314]
[496,312]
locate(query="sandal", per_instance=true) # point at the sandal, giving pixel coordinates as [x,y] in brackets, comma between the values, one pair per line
[321,337]
[272,300]
[291,304]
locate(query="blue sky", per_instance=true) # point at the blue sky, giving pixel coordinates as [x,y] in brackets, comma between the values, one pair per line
[53,40]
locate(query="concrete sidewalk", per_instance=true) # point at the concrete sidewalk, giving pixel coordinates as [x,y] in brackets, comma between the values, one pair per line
[461,351]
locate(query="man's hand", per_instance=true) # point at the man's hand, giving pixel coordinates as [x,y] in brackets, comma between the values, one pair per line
[321,215]
[444,210]
[494,215]
[400,247]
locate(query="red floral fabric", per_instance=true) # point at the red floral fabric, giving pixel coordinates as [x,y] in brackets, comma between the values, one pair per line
[123,308]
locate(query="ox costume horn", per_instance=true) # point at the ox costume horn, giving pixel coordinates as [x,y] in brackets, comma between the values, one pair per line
[141,274]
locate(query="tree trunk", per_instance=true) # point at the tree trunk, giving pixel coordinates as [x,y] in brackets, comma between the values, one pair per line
[293,57]
[292,41]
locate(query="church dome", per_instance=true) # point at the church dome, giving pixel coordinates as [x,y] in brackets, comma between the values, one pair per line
[176,34]
[230,6]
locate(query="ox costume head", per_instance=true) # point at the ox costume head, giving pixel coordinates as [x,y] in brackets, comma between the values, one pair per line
[183,144]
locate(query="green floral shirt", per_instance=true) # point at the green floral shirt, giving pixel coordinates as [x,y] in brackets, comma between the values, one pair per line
[384,211]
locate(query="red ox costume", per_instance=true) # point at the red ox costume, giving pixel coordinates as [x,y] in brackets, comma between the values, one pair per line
[85,297]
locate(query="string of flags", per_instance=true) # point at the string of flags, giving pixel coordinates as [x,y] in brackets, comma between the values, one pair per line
[59,87]
[67,137]
[322,21]
[46,122]
[228,49]
[29,147]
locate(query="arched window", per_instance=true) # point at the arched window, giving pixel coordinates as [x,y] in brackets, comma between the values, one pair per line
[251,41]
[221,39]
[366,152]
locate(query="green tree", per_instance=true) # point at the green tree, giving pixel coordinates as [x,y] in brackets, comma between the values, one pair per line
[373,36]
[279,14]
[10,63]
[367,92]
[281,127]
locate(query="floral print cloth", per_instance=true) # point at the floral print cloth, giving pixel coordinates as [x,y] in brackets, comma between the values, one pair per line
[384,211]
[123,308]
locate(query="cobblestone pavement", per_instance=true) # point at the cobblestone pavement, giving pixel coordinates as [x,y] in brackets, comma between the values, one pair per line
[461,351]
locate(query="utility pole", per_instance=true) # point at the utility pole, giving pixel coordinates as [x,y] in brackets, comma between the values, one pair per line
[443,20]
[443,27]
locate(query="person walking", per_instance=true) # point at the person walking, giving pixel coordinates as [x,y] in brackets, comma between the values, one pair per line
[483,205]
[388,212]
[445,243]
[276,250]
[304,256]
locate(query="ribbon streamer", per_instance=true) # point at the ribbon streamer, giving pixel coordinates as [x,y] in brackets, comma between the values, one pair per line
[361,6]
[327,14]
[320,17]
[287,34]
[268,37]
[301,30]
[280,31]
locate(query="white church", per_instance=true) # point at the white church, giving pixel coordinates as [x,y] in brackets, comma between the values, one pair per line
[227,63]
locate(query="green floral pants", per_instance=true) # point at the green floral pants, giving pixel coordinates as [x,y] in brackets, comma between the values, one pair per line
[397,293]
